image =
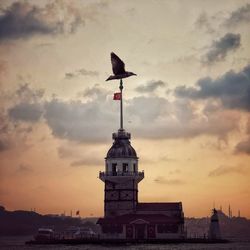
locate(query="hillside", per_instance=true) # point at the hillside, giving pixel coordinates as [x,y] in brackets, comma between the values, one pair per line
[26,222]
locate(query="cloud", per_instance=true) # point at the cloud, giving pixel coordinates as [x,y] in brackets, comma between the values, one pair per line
[4,145]
[224,170]
[26,112]
[28,107]
[203,22]
[239,16]
[156,107]
[21,108]
[150,86]
[173,172]
[23,20]
[3,67]
[44,45]
[82,157]
[13,135]
[232,89]
[85,72]
[81,121]
[66,152]
[220,48]
[25,93]
[22,168]
[80,72]
[88,161]
[167,158]
[5,128]
[95,116]
[95,93]
[69,75]
[177,119]
[162,180]
[73,120]
[243,147]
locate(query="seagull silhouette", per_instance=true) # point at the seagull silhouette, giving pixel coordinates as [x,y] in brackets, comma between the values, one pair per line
[118,68]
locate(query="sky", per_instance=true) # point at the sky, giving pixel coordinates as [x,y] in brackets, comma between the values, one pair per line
[188,108]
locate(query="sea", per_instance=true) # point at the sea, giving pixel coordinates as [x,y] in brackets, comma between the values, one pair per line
[18,243]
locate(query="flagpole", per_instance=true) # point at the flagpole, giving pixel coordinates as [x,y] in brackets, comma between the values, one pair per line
[121,107]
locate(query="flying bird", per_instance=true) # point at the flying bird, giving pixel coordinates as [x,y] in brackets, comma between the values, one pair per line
[118,68]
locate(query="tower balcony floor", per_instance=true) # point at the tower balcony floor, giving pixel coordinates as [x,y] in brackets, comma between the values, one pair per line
[121,176]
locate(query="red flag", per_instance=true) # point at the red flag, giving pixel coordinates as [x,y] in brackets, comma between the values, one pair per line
[77,212]
[117,96]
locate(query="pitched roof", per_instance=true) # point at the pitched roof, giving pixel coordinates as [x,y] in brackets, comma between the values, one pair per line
[159,206]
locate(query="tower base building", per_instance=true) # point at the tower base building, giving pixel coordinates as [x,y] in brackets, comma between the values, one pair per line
[125,217]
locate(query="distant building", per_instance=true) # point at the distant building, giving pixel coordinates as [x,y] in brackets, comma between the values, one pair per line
[124,216]
[214,228]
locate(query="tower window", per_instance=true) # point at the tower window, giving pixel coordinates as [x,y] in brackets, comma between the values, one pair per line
[114,165]
[134,166]
[125,167]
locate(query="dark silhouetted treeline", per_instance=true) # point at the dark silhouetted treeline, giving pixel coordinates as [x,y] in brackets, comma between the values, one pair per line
[27,222]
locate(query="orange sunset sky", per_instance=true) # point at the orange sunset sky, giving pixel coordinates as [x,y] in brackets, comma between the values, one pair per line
[187,109]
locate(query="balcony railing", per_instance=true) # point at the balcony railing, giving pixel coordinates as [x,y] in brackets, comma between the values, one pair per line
[121,134]
[121,173]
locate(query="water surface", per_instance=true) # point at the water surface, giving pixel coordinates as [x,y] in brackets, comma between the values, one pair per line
[18,243]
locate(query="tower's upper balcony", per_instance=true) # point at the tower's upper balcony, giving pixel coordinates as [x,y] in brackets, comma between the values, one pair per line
[120,175]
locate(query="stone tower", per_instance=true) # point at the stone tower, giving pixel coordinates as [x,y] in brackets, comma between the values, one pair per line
[121,177]
[124,216]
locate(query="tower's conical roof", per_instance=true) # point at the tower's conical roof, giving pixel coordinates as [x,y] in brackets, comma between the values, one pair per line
[121,147]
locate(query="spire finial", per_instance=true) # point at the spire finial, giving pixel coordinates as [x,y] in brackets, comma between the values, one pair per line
[121,106]
[119,71]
